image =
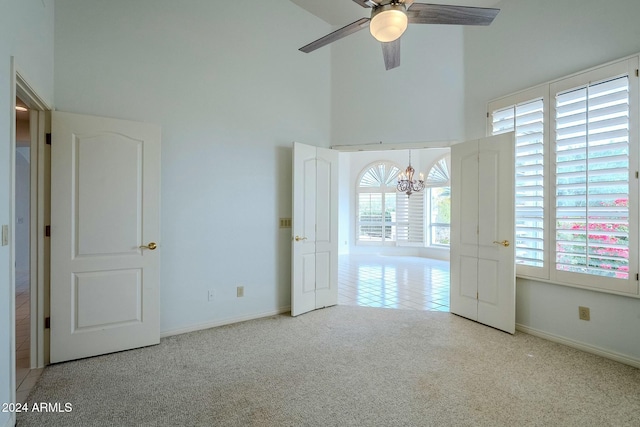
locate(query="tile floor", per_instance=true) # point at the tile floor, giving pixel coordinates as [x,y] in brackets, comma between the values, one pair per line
[393,282]
[25,377]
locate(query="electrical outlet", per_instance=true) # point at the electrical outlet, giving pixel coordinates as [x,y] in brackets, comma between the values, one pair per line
[584,313]
[211,296]
[240,291]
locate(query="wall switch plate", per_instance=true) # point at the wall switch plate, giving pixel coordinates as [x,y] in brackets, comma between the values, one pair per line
[285,222]
[5,235]
[240,291]
[584,313]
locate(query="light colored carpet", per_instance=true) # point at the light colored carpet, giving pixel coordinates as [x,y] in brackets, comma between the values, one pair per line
[343,366]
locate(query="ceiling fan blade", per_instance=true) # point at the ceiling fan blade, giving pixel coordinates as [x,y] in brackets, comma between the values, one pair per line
[391,53]
[422,13]
[407,3]
[366,3]
[336,35]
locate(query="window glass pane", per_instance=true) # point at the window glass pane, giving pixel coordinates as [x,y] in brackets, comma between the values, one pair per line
[376,220]
[440,215]
[592,184]
[370,216]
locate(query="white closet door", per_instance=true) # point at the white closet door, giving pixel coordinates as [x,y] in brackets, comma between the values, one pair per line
[483,231]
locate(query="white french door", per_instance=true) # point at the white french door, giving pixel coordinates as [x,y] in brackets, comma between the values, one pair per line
[314,276]
[105,222]
[483,231]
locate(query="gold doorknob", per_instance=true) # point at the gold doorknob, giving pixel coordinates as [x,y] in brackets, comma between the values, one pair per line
[504,243]
[151,246]
[298,238]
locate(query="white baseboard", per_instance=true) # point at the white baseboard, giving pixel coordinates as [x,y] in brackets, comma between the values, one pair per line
[217,323]
[580,346]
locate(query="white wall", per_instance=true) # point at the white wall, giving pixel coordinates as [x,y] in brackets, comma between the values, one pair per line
[421,160]
[532,42]
[26,32]
[231,91]
[422,100]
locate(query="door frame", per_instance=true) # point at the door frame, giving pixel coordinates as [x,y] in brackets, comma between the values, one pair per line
[39,122]
[352,203]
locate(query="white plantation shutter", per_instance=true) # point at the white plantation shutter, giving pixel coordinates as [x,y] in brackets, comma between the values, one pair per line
[527,120]
[410,219]
[592,179]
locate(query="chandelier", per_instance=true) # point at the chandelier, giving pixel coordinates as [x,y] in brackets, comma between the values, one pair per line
[406,183]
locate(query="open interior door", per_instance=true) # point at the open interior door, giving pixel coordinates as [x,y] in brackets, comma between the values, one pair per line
[314,276]
[105,222]
[483,231]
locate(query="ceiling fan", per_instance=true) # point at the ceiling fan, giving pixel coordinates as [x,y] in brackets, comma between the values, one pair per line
[389,19]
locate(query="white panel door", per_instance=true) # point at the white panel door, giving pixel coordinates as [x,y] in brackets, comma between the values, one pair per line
[314,281]
[303,280]
[105,222]
[496,237]
[326,227]
[483,231]
[464,230]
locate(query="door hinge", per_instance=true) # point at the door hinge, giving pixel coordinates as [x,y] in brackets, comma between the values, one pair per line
[47,231]
[637,72]
[637,276]
[48,139]
[636,174]
[47,322]
[487,114]
[477,295]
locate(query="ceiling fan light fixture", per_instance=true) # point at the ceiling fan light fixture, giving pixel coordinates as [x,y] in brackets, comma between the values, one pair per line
[388,22]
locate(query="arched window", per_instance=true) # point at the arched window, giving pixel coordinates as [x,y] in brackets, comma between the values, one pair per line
[376,199]
[438,182]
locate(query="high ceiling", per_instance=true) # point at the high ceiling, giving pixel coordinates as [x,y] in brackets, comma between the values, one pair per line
[343,12]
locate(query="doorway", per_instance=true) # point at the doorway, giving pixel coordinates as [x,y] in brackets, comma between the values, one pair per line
[403,262]
[29,257]
[25,379]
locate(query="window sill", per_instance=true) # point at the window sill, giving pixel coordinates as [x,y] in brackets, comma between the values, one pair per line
[582,287]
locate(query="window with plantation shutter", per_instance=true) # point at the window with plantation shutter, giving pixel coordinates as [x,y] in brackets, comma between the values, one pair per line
[527,120]
[376,198]
[592,126]
[577,191]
